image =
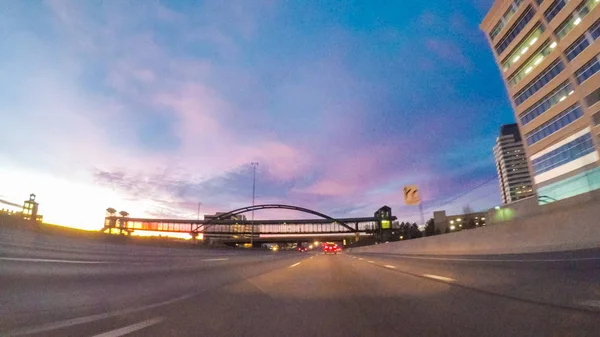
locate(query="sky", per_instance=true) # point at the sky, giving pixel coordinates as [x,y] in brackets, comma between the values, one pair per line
[154,106]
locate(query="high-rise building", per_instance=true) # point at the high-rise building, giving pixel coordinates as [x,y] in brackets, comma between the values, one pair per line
[511,163]
[549,56]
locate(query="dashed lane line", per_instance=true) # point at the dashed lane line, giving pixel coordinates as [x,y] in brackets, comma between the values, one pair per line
[439,278]
[23,259]
[591,303]
[131,328]
[219,259]
[92,318]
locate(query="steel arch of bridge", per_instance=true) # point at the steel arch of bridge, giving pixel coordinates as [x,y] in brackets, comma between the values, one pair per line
[247,209]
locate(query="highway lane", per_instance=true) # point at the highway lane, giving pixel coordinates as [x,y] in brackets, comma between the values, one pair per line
[45,278]
[563,279]
[182,292]
[334,295]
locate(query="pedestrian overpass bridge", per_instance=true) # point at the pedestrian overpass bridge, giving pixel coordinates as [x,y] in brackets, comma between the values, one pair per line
[226,227]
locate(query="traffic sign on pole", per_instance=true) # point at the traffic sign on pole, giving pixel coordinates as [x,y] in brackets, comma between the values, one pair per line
[411,195]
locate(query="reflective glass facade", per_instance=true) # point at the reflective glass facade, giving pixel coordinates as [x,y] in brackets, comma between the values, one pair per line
[564,154]
[575,18]
[577,47]
[558,122]
[523,47]
[587,70]
[505,18]
[557,95]
[515,30]
[531,64]
[595,30]
[554,9]
[581,183]
[539,82]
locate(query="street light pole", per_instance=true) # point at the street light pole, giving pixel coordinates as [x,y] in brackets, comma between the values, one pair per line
[254,165]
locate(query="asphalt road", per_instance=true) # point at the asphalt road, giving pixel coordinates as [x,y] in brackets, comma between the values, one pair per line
[55,287]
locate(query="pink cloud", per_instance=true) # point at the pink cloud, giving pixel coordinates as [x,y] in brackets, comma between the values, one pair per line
[283,161]
[352,173]
[329,188]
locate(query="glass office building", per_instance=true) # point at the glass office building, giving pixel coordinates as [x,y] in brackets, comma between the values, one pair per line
[549,57]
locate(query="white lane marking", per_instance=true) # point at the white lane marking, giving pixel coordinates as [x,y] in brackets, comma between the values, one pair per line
[390,266]
[493,260]
[439,278]
[92,318]
[360,259]
[591,303]
[23,259]
[371,261]
[220,259]
[131,328]
[295,264]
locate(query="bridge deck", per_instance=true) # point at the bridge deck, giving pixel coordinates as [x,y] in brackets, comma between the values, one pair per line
[232,227]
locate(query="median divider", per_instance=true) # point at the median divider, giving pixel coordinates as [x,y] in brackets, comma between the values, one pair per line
[571,224]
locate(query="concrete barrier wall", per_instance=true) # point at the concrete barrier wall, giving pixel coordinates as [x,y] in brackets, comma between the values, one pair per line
[565,225]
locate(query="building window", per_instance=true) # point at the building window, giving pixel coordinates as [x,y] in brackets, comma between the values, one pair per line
[539,82]
[587,70]
[505,18]
[523,47]
[583,42]
[577,47]
[515,30]
[596,118]
[564,154]
[531,64]
[554,9]
[595,30]
[592,98]
[575,18]
[556,123]
[557,95]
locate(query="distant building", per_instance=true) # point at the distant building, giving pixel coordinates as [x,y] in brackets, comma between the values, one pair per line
[549,57]
[455,223]
[244,227]
[511,163]
[30,209]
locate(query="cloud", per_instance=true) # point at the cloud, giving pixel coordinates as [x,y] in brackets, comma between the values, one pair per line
[168,107]
[449,52]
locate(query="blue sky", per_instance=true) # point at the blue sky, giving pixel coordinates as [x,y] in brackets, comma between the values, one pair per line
[153,106]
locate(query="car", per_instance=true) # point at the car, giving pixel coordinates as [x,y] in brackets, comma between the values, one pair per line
[331,248]
[303,249]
